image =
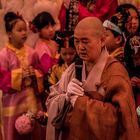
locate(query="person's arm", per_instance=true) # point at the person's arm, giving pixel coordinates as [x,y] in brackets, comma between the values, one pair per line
[117,110]
[11,81]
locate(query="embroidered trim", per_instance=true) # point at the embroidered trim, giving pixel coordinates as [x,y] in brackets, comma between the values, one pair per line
[73,14]
[20,53]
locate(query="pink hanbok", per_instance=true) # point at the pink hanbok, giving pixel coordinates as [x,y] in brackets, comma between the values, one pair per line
[46,53]
[19,94]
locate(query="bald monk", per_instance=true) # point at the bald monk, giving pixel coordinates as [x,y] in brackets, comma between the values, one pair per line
[103,104]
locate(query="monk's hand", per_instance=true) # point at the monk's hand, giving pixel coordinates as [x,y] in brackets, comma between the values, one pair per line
[74,90]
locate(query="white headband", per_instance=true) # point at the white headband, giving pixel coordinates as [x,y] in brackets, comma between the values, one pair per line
[108,24]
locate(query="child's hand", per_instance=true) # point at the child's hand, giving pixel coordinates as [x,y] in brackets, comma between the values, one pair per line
[32,71]
[28,71]
[25,72]
[135,81]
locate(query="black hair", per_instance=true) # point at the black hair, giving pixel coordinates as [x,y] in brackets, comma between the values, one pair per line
[128,6]
[120,19]
[62,42]
[43,19]
[116,34]
[11,19]
[60,39]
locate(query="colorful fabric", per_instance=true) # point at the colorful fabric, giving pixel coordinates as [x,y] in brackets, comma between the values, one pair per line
[119,55]
[108,24]
[18,98]
[72,15]
[117,52]
[20,53]
[102,9]
[135,43]
[117,22]
[56,73]
[45,55]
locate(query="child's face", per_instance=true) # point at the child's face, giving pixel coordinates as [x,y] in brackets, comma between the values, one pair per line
[133,22]
[47,32]
[110,41]
[18,35]
[68,54]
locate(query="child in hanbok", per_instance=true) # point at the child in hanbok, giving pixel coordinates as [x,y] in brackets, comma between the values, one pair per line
[45,47]
[67,55]
[21,81]
[115,37]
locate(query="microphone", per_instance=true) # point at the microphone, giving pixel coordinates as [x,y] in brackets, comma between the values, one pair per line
[78,69]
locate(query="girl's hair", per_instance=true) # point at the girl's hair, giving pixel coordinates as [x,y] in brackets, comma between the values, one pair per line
[65,39]
[63,43]
[11,19]
[41,20]
[128,6]
[116,24]
[120,19]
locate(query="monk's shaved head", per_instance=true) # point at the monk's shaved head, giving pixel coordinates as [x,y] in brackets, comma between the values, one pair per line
[89,39]
[91,23]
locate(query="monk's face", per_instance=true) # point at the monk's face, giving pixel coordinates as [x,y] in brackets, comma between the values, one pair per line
[88,44]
